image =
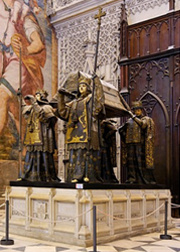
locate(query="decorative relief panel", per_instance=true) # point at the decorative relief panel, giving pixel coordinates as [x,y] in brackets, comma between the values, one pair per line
[74,35]
[66,2]
[40,209]
[65,212]
[152,90]
[135,6]
[177,64]
[52,6]
[18,209]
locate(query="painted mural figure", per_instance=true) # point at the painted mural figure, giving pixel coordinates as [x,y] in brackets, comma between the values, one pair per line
[108,151]
[24,7]
[25,35]
[137,136]
[77,114]
[39,138]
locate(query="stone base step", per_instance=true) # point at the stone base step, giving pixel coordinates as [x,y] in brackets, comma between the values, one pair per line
[176,222]
[2,201]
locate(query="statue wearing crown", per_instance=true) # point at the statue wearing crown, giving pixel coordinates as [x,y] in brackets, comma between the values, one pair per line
[137,137]
[83,127]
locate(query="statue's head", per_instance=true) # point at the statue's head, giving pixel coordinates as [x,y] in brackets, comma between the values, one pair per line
[84,86]
[41,96]
[137,107]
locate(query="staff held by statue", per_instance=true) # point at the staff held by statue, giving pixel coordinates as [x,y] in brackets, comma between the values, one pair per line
[98,17]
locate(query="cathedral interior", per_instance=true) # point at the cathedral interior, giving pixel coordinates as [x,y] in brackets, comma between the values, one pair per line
[138,58]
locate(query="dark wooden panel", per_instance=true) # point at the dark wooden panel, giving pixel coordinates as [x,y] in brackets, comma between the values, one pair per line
[176,23]
[153,39]
[161,148]
[154,36]
[133,38]
[163,36]
[144,45]
[175,170]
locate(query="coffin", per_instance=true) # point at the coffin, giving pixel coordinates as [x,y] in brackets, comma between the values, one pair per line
[113,104]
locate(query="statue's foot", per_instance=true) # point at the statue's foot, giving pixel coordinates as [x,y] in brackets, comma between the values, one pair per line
[19,179]
[86,179]
[130,182]
[153,183]
[74,181]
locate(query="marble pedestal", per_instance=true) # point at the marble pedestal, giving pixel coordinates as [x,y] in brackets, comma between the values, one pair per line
[63,213]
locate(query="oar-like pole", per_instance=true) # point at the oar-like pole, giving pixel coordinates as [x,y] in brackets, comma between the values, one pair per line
[98,17]
[20,113]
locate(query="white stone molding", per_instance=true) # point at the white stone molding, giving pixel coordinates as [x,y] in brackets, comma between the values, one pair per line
[135,6]
[67,8]
[177,5]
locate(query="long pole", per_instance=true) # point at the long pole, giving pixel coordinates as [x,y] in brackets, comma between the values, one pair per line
[20,113]
[94,229]
[6,240]
[97,16]
[165,236]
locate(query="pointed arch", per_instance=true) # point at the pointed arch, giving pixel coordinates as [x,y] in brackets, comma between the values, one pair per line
[176,115]
[149,93]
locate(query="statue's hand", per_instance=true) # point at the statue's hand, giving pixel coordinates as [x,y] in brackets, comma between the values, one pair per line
[120,129]
[94,75]
[19,92]
[62,90]
[131,114]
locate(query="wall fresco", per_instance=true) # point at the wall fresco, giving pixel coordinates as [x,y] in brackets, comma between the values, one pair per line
[23,25]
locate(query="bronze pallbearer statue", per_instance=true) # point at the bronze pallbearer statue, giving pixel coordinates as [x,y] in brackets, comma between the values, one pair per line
[137,136]
[39,139]
[82,137]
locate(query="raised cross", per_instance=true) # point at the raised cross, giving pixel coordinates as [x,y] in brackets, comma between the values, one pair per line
[99,16]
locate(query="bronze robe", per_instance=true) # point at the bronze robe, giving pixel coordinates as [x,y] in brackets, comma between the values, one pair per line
[77,113]
[138,150]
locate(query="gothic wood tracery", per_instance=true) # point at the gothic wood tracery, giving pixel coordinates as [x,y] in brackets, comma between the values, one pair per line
[151,73]
[147,80]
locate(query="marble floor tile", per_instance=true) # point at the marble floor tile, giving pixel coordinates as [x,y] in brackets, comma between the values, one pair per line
[102,249]
[127,244]
[76,250]
[145,243]
[157,249]
[143,239]
[40,249]
[154,235]
[62,249]
[132,250]
[11,250]
[168,243]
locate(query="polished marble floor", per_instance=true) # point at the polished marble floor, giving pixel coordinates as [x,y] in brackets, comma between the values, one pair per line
[147,243]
